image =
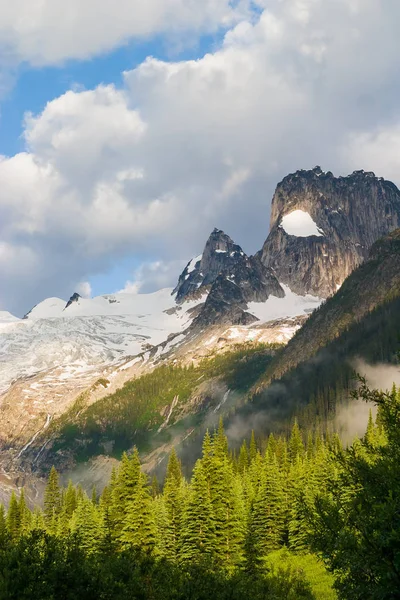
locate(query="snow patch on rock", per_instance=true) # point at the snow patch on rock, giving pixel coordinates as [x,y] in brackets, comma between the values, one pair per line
[299,223]
[291,305]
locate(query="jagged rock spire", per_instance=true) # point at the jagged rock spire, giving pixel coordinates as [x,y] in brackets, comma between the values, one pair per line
[74,298]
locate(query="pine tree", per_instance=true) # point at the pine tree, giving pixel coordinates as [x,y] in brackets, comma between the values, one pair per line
[52,500]
[271,447]
[173,504]
[123,490]
[13,518]
[253,447]
[296,446]
[70,501]
[155,487]
[243,460]
[198,527]
[106,521]
[268,514]
[3,526]
[220,442]
[85,523]
[300,489]
[139,528]
[38,523]
[25,514]
[68,506]
[228,510]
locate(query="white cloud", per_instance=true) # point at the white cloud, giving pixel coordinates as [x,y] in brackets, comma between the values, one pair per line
[377,150]
[151,168]
[84,289]
[51,31]
[154,276]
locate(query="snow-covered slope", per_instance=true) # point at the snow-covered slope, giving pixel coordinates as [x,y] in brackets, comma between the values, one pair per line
[291,305]
[87,334]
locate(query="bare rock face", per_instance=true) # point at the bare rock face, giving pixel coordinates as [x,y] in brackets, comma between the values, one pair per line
[74,298]
[231,278]
[220,254]
[349,213]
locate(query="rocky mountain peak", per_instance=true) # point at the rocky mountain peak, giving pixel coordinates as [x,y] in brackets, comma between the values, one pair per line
[345,216]
[74,298]
[230,279]
[220,254]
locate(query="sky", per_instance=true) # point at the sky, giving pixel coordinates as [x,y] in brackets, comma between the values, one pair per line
[129,129]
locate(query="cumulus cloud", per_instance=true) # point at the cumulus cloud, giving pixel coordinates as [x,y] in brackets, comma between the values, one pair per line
[84,289]
[151,168]
[377,149]
[46,32]
[154,276]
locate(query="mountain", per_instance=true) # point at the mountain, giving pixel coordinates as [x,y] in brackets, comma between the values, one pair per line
[373,284]
[69,363]
[232,280]
[322,227]
[356,330]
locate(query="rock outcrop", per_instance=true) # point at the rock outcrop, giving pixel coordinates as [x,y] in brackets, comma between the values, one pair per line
[74,298]
[350,214]
[231,279]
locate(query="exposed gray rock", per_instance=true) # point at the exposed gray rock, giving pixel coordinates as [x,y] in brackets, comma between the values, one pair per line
[231,278]
[352,212]
[220,253]
[74,298]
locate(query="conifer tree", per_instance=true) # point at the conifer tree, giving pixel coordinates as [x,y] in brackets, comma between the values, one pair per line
[227,502]
[106,521]
[243,460]
[296,446]
[38,523]
[173,505]
[123,490]
[198,527]
[52,500]
[25,514]
[268,514]
[155,487]
[271,446]
[3,526]
[13,518]
[220,444]
[70,499]
[139,527]
[253,447]
[85,523]
[300,489]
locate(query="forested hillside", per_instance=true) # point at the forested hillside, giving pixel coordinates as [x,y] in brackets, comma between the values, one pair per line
[316,389]
[149,410]
[245,525]
[374,284]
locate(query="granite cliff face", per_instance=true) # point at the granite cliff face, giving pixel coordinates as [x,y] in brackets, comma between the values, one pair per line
[373,284]
[349,214]
[231,278]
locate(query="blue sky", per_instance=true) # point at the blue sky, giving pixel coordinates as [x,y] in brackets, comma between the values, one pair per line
[35,86]
[124,182]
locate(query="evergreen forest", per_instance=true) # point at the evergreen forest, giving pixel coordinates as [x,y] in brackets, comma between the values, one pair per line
[287,517]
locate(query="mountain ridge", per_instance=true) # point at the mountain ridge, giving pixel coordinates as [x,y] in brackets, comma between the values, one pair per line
[223,297]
